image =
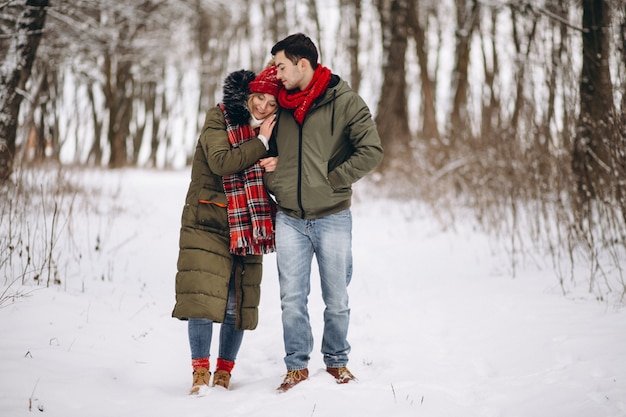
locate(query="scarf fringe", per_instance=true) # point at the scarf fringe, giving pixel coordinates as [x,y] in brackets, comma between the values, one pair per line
[242,247]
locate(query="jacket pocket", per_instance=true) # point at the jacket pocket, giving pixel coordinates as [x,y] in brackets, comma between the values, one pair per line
[211,211]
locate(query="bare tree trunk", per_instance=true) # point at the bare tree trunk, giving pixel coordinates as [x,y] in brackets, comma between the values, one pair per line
[43,98]
[549,171]
[491,118]
[591,149]
[392,112]
[33,149]
[351,11]
[278,25]
[95,152]
[520,73]
[14,74]
[558,50]
[467,20]
[212,36]
[202,37]
[160,112]
[429,125]
[313,15]
[54,142]
[620,145]
[623,49]
[147,95]
[118,84]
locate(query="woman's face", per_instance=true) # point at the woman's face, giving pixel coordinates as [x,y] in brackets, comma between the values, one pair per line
[262,105]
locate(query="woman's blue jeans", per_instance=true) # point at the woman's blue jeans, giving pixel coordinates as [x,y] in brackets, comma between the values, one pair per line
[297,240]
[200,332]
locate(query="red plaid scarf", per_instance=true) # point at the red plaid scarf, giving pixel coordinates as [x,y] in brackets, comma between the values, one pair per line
[250,209]
[301,101]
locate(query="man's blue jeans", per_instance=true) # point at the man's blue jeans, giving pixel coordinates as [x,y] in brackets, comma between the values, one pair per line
[200,332]
[330,239]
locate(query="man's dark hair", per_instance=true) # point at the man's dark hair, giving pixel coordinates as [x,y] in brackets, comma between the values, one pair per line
[297,46]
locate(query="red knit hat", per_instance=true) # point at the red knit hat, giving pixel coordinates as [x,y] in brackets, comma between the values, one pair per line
[266,82]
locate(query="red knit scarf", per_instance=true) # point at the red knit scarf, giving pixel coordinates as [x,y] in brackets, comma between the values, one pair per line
[250,209]
[301,101]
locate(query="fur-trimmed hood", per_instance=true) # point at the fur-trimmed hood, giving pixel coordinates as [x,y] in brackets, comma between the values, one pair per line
[236,91]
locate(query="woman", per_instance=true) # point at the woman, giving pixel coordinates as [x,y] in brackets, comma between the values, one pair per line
[226,224]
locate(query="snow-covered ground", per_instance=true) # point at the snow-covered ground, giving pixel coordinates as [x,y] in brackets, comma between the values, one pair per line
[439,328]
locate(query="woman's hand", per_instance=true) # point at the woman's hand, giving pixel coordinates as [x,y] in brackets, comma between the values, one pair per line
[267,126]
[269,164]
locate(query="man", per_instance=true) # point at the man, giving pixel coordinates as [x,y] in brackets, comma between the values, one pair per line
[325,140]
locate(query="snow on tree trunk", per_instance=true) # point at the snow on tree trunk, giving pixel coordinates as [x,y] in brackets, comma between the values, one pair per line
[591,159]
[14,74]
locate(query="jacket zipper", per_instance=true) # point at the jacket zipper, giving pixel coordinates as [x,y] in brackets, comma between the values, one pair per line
[300,171]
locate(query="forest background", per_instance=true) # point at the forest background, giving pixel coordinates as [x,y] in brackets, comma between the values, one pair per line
[512,111]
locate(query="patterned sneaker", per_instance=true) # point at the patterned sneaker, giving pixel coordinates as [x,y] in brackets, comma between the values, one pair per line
[201,378]
[293,378]
[221,379]
[342,375]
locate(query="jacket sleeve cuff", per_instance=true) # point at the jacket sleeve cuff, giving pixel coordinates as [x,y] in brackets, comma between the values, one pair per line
[263,139]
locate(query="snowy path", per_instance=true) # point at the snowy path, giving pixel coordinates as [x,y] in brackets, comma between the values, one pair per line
[438,329]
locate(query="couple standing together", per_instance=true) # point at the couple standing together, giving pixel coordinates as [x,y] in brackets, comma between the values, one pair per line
[300,133]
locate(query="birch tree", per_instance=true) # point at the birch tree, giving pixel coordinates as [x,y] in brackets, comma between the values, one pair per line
[15,72]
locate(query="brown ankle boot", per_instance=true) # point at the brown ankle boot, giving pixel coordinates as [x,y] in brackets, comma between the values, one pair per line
[221,379]
[342,374]
[222,373]
[201,378]
[293,378]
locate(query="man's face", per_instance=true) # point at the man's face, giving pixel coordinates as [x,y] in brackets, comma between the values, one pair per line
[290,74]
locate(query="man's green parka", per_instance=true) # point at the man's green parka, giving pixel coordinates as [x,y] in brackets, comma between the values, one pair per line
[317,166]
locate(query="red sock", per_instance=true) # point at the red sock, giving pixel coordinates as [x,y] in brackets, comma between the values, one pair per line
[224,365]
[200,363]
